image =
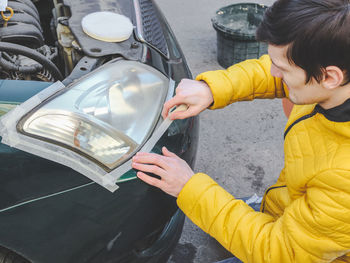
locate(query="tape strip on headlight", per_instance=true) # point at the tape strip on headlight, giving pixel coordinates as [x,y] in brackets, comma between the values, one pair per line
[94,125]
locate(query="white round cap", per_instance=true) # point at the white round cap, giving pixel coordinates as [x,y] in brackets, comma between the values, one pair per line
[107,26]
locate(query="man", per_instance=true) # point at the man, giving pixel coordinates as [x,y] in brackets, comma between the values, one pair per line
[305,216]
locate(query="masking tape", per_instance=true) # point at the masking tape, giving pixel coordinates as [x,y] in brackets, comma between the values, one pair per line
[13,138]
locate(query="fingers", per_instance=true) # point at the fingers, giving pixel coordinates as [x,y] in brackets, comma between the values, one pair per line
[149,169]
[180,115]
[153,163]
[150,158]
[178,99]
[168,153]
[195,94]
[173,177]
[149,179]
[170,104]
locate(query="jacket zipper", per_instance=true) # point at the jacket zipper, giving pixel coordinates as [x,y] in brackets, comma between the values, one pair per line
[284,136]
[265,195]
[299,120]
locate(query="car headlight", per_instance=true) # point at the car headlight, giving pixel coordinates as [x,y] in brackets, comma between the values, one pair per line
[106,116]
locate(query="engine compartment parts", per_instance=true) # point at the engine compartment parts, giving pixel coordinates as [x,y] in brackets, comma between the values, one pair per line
[57,34]
[24,27]
[34,55]
[23,52]
[7,18]
[77,10]
[107,26]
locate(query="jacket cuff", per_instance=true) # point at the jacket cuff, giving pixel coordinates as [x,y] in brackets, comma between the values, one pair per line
[208,77]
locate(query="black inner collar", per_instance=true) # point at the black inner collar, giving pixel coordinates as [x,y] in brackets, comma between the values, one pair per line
[339,113]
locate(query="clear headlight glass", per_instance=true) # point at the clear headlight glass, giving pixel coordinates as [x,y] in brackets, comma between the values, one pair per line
[106,116]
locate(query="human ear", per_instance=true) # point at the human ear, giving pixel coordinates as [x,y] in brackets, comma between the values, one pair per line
[333,77]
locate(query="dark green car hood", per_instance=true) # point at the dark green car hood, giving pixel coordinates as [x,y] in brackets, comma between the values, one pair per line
[14,92]
[18,169]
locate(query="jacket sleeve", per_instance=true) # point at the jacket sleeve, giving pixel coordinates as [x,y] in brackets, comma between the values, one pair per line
[247,80]
[314,228]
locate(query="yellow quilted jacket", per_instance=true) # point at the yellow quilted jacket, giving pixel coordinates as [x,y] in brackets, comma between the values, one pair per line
[305,216]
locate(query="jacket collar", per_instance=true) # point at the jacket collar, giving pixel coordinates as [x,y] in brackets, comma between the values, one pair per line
[339,113]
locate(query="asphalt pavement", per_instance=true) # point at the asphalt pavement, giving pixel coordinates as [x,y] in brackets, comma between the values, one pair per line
[241,146]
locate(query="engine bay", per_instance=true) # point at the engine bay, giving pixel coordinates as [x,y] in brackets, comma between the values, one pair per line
[44,40]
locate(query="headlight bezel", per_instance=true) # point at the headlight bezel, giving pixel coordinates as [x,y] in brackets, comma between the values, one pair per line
[89,119]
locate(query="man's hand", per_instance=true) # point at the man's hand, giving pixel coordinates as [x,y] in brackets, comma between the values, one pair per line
[172,170]
[195,94]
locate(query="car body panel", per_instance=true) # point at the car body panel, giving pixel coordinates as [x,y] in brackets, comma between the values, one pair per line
[51,213]
[59,206]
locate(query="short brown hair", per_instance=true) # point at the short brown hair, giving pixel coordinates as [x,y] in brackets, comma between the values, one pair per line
[317,32]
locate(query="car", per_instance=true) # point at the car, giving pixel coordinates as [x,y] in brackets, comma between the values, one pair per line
[107,108]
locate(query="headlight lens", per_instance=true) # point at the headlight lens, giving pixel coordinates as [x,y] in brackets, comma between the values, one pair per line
[107,115]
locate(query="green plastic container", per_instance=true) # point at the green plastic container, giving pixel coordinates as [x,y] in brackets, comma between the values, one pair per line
[235,27]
